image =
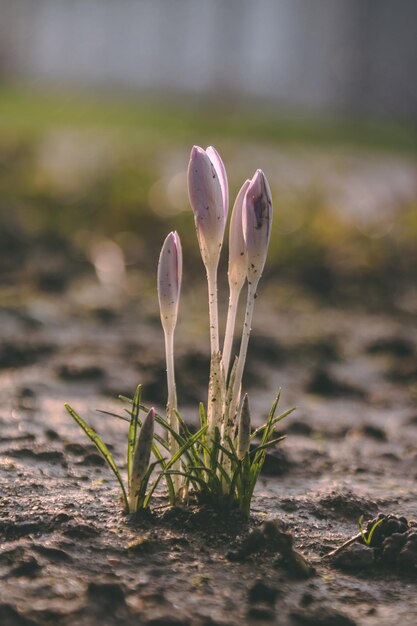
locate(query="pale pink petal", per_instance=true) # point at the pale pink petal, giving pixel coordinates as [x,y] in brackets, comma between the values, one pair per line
[215,158]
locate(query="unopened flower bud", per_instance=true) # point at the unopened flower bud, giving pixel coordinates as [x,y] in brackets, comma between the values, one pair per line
[169,281]
[208,193]
[243,437]
[257,221]
[142,456]
[238,264]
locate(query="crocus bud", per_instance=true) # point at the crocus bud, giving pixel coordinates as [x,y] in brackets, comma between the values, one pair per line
[169,281]
[243,438]
[237,248]
[257,221]
[208,193]
[141,457]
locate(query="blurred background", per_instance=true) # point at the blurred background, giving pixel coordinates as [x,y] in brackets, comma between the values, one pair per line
[101,101]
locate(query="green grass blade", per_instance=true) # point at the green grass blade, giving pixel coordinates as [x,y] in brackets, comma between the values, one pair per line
[209,470]
[125,399]
[269,422]
[101,447]
[373,529]
[275,420]
[268,444]
[120,417]
[203,422]
[190,477]
[133,431]
[362,532]
[187,431]
[177,456]
[203,416]
[162,460]
[217,465]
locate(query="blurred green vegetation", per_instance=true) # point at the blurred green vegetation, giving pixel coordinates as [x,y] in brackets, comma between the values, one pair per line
[77,167]
[29,113]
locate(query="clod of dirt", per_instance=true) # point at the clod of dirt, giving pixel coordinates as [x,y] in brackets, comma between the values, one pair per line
[272,538]
[321,616]
[357,558]
[387,526]
[371,431]
[93,460]
[55,555]
[260,592]
[28,567]
[145,543]
[19,354]
[393,545]
[212,522]
[264,613]
[12,555]
[80,531]
[51,434]
[400,549]
[22,437]
[344,505]
[395,346]
[107,595]
[323,383]
[80,372]
[166,620]
[10,617]
[46,456]
[76,448]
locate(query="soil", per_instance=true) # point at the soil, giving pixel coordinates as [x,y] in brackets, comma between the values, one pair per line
[70,556]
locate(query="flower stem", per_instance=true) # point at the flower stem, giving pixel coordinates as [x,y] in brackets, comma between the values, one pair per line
[172,404]
[230,328]
[133,503]
[243,345]
[213,309]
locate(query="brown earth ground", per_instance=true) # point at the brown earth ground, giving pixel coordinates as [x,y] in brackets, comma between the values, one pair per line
[335,328]
[68,553]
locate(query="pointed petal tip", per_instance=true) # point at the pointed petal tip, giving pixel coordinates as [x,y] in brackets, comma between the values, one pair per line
[196,151]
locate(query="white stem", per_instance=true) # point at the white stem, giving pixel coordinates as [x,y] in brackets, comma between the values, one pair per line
[172,404]
[244,344]
[133,503]
[230,328]
[169,352]
[213,310]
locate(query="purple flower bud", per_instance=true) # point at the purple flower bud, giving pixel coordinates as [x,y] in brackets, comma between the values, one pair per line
[257,221]
[208,193]
[141,457]
[215,158]
[237,248]
[169,281]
